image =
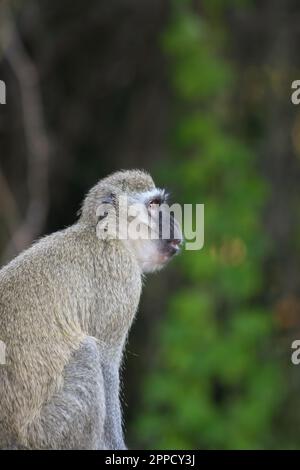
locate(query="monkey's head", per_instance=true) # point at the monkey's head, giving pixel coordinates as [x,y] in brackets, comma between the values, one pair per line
[128,207]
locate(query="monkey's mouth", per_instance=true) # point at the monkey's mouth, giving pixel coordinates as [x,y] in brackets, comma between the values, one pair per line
[172,248]
[175,246]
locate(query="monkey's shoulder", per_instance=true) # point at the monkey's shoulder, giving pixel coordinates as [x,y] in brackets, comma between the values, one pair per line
[44,255]
[68,260]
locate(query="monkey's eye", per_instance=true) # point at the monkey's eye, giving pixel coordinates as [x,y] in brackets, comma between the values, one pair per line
[156,202]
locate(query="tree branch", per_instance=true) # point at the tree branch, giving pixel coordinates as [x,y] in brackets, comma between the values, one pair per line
[37,142]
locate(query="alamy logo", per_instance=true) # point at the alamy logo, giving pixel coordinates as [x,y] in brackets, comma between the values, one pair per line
[295,97]
[2,353]
[130,220]
[2,92]
[295,357]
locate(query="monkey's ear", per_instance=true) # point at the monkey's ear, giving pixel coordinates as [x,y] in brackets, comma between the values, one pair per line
[109,199]
[106,217]
[105,203]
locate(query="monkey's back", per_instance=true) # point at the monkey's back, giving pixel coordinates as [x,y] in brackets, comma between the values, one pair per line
[51,297]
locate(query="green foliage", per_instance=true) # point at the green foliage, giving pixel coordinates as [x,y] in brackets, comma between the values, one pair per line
[214,384]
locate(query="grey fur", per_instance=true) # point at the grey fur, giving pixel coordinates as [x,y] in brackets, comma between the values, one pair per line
[66,306]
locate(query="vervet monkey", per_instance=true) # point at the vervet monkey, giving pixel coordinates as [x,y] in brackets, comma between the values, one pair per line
[66,306]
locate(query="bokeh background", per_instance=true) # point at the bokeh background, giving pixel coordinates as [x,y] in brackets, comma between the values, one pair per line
[199,94]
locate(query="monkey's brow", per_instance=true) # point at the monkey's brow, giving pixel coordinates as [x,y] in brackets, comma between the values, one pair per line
[159,194]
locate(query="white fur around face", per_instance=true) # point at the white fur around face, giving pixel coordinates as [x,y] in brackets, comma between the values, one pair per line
[148,255]
[147,251]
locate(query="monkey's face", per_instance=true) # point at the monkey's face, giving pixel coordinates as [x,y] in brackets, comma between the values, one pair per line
[154,234]
[127,206]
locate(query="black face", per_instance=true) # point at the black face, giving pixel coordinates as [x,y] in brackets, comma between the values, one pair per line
[169,231]
[161,236]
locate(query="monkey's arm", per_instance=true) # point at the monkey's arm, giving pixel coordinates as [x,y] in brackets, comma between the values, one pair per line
[113,433]
[74,417]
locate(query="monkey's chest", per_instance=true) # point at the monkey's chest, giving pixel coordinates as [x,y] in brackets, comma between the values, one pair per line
[115,307]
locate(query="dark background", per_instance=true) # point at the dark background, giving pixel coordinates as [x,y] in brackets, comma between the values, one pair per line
[199,94]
